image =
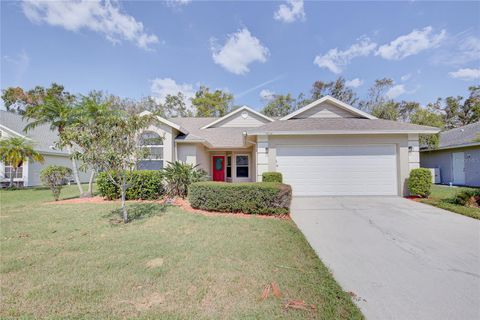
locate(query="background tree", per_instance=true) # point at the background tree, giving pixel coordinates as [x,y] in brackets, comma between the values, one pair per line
[54,177]
[17,100]
[377,95]
[14,151]
[386,111]
[428,117]
[176,106]
[336,89]
[279,106]
[212,104]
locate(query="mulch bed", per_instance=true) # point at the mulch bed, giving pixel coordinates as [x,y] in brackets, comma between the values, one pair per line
[179,202]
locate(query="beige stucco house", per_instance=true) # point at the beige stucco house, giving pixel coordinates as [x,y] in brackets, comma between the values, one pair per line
[324,148]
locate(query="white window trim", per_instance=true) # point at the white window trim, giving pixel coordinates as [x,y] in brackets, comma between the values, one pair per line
[231,166]
[248,165]
[149,146]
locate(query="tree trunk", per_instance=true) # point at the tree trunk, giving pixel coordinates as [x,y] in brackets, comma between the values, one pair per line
[13,173]
[75,173]
[90,184]
[123,191]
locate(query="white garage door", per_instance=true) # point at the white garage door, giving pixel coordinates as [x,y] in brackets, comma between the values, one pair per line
[339,170]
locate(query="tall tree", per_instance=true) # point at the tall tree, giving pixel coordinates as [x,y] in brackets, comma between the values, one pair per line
[470,111]
[387,111]
[336,89]
[212,104]
[110,144]
[279,106]
[14,151]
[53,106]
[377,95]
[176,106]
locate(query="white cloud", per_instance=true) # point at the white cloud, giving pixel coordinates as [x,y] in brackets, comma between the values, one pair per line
[178,2]
[102,17]
[161,87]
[334,60]
[267,95]
[18,65]
[396,91]
[290,12]
[411,44]
[459,49]
[405,77]
[354,83]
[240,50]
[466,74]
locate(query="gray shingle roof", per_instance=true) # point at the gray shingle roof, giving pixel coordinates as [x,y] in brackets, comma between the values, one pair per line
[43,138]
[339,124]
[218,137]
[460,136]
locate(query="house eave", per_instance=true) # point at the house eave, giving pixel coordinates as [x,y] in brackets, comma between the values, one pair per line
[330,132]
[457,146]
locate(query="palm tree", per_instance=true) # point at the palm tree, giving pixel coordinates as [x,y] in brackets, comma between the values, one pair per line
[57,111]
[14,151]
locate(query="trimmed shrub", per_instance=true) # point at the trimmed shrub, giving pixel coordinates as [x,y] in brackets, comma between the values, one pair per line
[143,185]
[420,182]
[468,198]
[272,177]
[248,197]
[55,177]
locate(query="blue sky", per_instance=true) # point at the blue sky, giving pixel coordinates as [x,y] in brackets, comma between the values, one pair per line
[252,49]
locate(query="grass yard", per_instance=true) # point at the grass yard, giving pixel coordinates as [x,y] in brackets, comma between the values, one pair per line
[71,261]
[442,197]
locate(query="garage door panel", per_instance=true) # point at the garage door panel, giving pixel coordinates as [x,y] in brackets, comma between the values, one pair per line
[339,170]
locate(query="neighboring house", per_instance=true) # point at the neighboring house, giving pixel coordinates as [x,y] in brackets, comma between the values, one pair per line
[43,140]
[324,148]
[457,156]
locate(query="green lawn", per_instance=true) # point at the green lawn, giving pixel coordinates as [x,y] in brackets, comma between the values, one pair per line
[72,261]
[442,197]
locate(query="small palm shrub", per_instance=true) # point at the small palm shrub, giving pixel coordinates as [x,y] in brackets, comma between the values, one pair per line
[420,182]
[179,176]
[468,198]
[55,177]
[272,177]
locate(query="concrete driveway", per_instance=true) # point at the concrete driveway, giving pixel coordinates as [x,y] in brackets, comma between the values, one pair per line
[402,259]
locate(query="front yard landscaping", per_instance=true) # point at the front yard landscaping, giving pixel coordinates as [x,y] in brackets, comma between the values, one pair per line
[76,261]
[444,197]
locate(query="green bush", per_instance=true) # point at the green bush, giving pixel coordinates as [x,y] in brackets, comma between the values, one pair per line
[179,176]
[143,185]
[272,177]
[55,177]
[420,182]
[249,197]
[468,197]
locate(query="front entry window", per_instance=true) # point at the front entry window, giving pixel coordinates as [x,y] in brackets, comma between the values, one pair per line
[229,166]
[242,166]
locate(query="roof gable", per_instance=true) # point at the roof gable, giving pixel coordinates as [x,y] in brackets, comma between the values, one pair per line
[167,122]
[242,117]
[328,107]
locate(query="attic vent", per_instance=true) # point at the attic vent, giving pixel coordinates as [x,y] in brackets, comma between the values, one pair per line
[244,114]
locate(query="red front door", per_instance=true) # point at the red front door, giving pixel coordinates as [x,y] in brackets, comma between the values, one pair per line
[218,163]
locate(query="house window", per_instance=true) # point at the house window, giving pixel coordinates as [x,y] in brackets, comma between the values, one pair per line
[229,166]
[154,142]
[242,162]
[16,175]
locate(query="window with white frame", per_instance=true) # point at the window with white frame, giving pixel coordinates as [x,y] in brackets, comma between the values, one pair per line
[154,143]
[9,171]
[242,165]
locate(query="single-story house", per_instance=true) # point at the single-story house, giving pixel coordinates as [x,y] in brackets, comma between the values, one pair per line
[325,148]
[43,139]
[457,156]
